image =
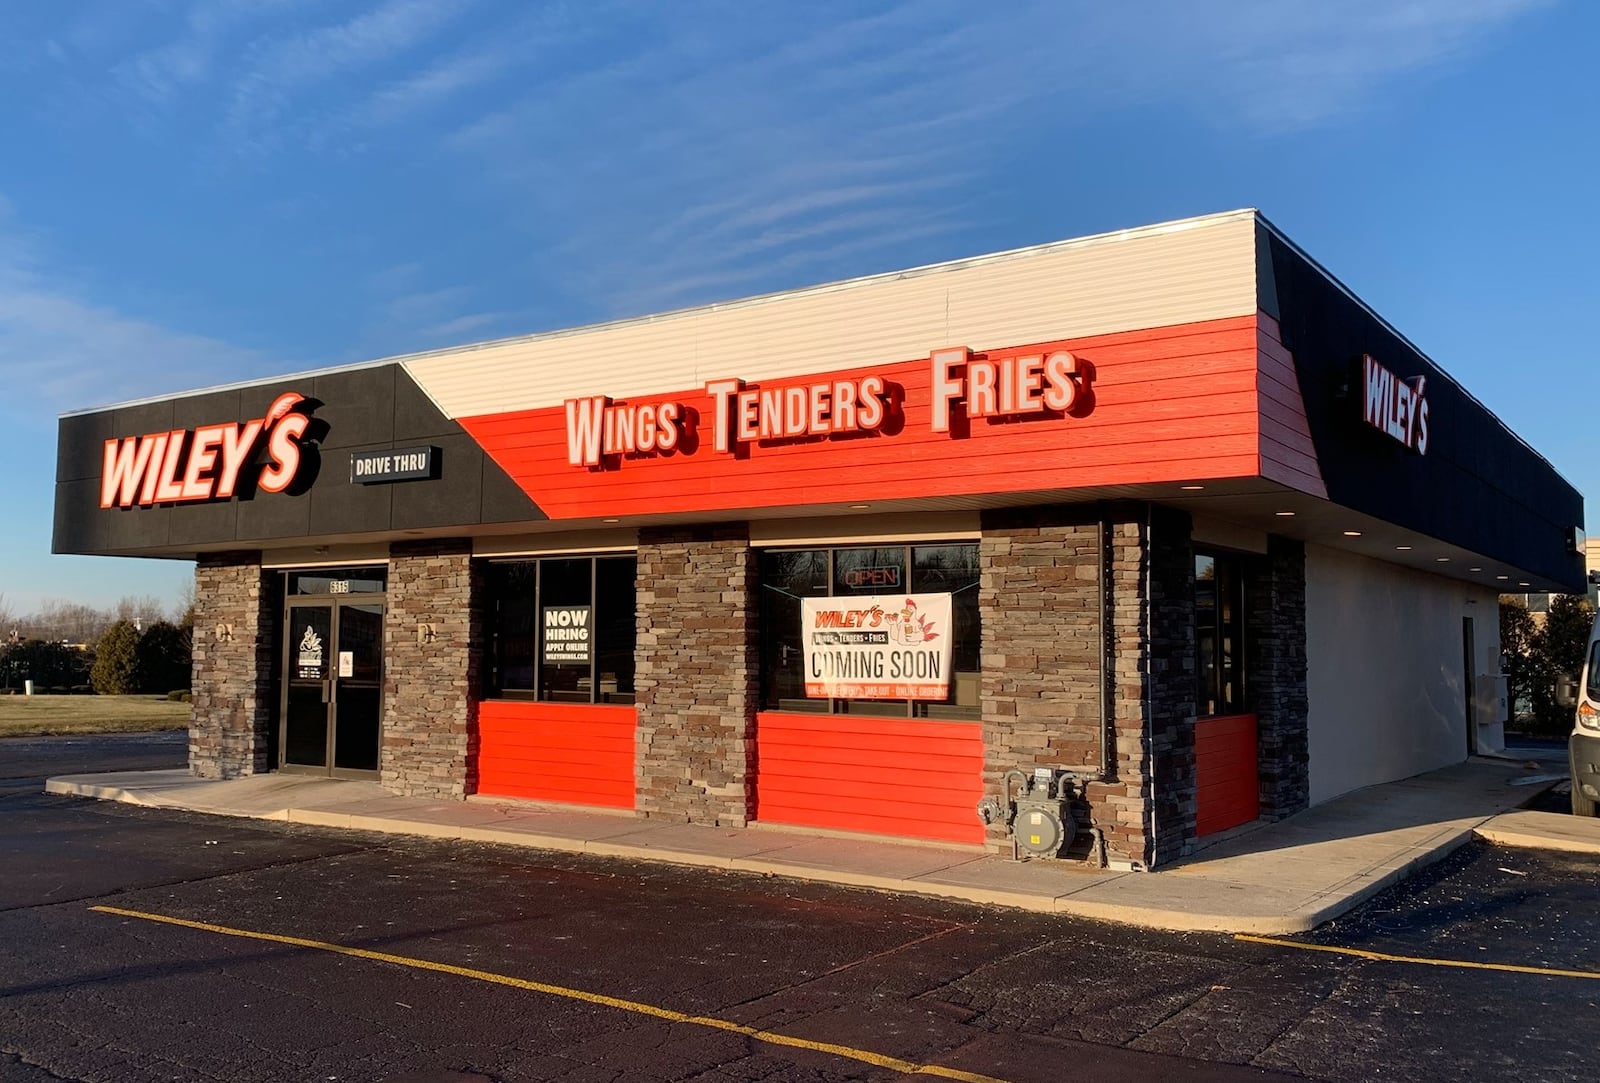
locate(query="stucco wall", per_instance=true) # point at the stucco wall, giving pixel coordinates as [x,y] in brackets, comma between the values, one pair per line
[1384,669]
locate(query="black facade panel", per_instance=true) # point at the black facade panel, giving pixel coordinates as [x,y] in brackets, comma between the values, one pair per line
[357,405]
[204,524]
[373,408]
[416,419]
[80,524]
[80,445]
[132,528]
[503,499]
[149,417]
[339,507]
[273,516]
[1478,486]
[209,409]
[454,497]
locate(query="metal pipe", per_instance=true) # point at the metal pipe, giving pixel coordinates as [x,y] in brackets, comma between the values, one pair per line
[1107,643]
[1149,678]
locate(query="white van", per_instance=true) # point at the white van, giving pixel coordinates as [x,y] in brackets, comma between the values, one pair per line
[1583,747]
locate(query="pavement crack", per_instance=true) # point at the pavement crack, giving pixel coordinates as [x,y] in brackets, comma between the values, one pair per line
[185,881]
[19,1057]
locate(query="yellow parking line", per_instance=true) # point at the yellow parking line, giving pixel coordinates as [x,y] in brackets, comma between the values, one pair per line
[1382,957]
[877,1060]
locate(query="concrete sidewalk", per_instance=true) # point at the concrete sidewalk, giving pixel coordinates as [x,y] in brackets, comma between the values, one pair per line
[1272,878]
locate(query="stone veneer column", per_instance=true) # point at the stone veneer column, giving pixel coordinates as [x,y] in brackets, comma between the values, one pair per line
[1039,595]
[697,673]
[430,689]
[1172,673]
[231,718]
[1275,672]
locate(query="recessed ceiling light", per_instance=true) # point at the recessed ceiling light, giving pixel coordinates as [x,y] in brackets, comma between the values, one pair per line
[611,520]
[1523,584]
[1502,577]
[1191,488]
[859,507]
[1474,569]
[1352,533]
[1285,514]
[1402,548]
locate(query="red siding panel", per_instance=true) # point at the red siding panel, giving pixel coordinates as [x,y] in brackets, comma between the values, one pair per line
[1287,452]
[1167,403]
[887,776]
[578,754]
[1227,790]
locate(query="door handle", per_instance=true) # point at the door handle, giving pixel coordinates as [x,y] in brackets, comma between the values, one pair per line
[327,691]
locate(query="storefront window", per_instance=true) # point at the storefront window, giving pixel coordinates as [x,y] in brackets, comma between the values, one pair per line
[788,576]
[562,629]
[1218,634]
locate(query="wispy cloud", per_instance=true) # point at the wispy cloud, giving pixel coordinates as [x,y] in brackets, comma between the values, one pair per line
[60,350]
[645,154]
[278,69]
[1279,68]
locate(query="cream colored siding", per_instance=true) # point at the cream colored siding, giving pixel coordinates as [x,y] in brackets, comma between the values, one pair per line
[1384,675]
[1203,269]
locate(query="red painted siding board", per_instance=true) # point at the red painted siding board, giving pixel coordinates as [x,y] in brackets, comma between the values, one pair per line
[1169,403]
[571,753]
[908,777]
[1227,786]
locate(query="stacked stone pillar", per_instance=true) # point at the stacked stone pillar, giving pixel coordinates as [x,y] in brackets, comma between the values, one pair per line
[1275,647]
[1170,682]
[432,632]
[697,674]
[231,719]
[1046,576]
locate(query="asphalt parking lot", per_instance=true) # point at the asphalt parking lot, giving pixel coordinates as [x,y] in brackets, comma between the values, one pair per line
[319,954]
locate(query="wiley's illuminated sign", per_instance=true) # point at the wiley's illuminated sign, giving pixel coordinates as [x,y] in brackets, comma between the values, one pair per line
[181,466]
[1395,406]
[1002,387]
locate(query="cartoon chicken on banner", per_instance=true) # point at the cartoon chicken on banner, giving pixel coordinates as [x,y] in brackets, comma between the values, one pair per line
[909,627]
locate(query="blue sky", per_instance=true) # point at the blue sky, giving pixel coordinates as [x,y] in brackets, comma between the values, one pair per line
[199,192]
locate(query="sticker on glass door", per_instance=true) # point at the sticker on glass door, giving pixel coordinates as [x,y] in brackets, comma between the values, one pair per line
[309,663]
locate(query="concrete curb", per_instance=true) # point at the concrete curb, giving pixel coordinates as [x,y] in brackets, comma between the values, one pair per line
[1192,902]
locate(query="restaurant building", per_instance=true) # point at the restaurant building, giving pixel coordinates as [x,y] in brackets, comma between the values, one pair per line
[1167,513]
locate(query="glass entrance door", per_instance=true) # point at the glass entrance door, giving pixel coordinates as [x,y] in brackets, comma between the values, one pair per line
[332,688]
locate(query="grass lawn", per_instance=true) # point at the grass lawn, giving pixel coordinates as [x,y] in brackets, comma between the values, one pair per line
[48,716]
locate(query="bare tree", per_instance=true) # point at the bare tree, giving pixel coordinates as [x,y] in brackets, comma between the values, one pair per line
[57,621]
[181,609]
[141,609]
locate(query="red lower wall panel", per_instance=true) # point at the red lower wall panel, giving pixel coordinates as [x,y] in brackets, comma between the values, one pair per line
[575,754]
[1227,784]
[887,776]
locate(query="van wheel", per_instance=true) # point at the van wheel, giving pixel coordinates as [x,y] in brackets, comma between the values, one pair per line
[1581,805]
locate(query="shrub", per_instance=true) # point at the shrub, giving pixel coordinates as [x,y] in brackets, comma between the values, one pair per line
[162,659]
[178,695]
[116,660]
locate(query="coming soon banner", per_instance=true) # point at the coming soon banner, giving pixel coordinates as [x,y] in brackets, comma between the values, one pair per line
[886,646]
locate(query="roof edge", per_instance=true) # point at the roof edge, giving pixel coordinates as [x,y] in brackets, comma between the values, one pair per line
[1334,280]
[1176,225]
